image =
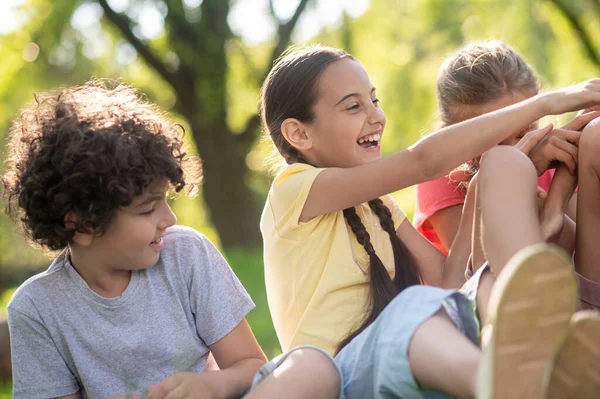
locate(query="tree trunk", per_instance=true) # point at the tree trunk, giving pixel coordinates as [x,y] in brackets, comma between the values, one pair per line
[234,209]
[5,364]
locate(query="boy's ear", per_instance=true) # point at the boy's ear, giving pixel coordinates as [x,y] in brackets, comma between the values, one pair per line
[295,133]
[83,239]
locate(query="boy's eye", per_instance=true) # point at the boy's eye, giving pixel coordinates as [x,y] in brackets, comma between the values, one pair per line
[376,100]
[147,212]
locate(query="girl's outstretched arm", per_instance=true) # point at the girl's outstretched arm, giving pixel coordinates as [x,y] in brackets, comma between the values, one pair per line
[438,153]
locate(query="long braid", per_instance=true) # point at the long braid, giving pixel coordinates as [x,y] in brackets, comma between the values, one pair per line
[406,270]
[382,289]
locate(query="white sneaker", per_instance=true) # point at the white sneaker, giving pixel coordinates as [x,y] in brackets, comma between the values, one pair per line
[575,369]
[530,306]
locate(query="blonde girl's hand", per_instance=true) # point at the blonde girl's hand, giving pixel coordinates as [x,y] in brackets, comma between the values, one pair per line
[184,386]
[561,145]
[531,139]
[573,98]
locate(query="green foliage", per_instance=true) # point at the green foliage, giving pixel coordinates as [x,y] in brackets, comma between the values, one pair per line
[5,390]
[4,299]
[401,44]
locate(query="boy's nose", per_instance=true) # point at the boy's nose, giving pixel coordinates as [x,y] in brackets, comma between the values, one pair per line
[169,218]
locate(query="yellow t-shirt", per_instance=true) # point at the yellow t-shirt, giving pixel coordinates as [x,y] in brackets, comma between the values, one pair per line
[316,272]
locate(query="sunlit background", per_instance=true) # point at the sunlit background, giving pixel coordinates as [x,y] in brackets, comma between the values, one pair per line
[203,62]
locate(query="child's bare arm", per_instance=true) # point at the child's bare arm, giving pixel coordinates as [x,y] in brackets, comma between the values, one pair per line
[438,153]
[461,249]
[239,357]
[555,224]
[436,269]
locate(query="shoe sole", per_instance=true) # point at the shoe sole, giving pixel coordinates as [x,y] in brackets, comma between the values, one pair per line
[576,368]
[531,304]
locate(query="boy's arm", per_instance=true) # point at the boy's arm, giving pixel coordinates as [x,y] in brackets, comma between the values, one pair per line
[238,355]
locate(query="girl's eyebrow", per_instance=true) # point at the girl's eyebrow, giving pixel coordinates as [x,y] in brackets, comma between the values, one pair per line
[352,95]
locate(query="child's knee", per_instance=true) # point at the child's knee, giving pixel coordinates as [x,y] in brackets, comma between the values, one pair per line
[318,364]
[505,159]
[589,142]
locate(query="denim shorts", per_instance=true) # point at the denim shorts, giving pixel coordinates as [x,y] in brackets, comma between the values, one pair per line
[375,363]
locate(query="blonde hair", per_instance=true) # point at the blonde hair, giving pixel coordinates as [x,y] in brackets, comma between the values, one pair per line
[481,73]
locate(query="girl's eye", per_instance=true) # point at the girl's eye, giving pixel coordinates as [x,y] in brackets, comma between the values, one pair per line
[352,107]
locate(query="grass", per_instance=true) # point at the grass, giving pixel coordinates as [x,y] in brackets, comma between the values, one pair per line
[5,388]
[5,391]
[248,266]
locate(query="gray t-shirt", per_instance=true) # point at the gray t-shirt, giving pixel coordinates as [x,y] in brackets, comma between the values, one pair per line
[66,338]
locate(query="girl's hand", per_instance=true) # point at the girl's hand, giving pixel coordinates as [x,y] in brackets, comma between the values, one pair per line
[560,145]
[184,386]
[531,139]
[573,98]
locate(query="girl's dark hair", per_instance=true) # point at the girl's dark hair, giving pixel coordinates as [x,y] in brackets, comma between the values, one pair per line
[88,150]
[291,91]
[477,75]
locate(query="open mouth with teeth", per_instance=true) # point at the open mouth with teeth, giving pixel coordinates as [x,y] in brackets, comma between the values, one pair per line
[371,141]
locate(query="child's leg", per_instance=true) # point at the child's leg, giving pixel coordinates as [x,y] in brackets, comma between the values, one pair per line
[587,253]
[507,196]
[442,358]
[507,210]
[529,310]
[302,373]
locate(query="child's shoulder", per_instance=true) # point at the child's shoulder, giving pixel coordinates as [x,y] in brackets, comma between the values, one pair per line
[297,171]
[187,246]
[184,238]
[39,286]
[184,232]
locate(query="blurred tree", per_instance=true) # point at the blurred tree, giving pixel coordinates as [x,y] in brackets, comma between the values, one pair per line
[583,17]
[190,59]
[199,80]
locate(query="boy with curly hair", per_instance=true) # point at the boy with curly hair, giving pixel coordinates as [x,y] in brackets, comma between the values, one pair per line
[133,304]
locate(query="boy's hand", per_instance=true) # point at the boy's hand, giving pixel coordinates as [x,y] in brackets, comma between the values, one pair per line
[184,386]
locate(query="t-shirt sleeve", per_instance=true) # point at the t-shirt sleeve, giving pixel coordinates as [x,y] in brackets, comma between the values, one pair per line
[397,214]
[288,196]
[435,195]
[39,371]
[217,298]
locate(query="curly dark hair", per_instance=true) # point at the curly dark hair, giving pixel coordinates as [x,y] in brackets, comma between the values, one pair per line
[89,150]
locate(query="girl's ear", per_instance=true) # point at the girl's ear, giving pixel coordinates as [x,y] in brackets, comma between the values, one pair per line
[83,239]
[294,132]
